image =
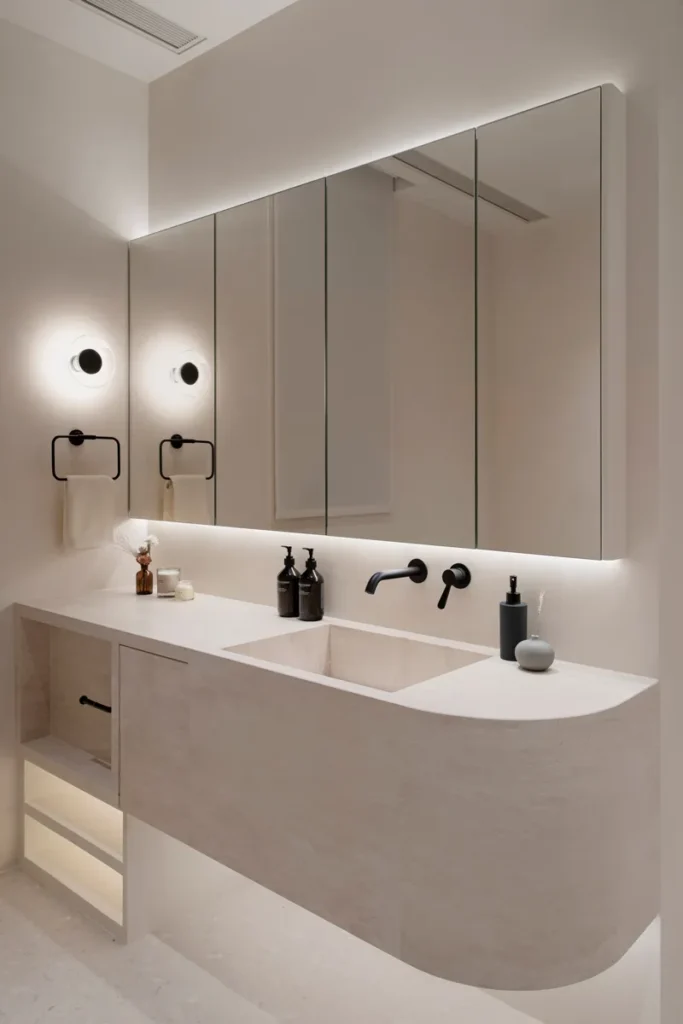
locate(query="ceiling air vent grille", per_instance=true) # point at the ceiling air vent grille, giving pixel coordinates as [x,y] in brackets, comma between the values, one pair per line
[140,19]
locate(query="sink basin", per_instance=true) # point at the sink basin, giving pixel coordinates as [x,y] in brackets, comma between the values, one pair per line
[380,660]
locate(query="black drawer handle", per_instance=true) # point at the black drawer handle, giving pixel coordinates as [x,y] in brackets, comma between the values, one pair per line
[95,704]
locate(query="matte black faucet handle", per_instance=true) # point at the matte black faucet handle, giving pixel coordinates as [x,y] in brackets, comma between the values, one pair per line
[458,576]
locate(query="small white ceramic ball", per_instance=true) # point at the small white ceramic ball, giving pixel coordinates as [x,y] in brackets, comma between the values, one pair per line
[534,655]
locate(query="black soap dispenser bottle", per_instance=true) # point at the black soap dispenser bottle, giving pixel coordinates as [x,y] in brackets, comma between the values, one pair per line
[513,627]
[311,591]
[288,588]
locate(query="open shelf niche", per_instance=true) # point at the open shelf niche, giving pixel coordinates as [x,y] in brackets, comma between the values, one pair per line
[71,740]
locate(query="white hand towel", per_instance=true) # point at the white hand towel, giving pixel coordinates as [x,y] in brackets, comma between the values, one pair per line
[89,511]
[186,499]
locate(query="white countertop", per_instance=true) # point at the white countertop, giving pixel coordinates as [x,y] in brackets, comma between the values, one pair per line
[489,689]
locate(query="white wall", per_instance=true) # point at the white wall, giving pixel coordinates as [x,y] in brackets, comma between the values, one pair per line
[329,84]
[76,128]
[671,501]
[73,185]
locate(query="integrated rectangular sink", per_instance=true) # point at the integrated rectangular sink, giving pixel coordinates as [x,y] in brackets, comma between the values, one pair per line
[361,656]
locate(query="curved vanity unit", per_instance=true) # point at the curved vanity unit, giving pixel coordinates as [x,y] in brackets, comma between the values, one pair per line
[485,825]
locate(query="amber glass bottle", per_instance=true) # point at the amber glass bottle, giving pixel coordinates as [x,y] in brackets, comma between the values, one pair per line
[144,580]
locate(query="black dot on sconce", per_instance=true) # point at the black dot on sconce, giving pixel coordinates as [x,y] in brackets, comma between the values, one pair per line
[189,373]
[88,361]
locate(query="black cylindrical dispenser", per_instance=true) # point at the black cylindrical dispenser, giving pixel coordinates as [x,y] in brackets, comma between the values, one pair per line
[311,594]
[288,588]
[513,628]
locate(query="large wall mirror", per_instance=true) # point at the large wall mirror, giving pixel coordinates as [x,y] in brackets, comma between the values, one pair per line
[425,349]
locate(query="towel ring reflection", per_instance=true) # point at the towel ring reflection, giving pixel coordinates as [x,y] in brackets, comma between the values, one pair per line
[76,438]
[177,441]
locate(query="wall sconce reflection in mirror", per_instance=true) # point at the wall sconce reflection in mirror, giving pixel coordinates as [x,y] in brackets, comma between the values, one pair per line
[88,360]
[191,373]
[188,373]
[92,362]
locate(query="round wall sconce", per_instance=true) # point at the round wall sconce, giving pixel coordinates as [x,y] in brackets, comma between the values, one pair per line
[88,360]
[92,362]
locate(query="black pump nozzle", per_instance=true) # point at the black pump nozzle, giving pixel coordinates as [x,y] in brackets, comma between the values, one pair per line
[289,559]
[513,597]
[310,561]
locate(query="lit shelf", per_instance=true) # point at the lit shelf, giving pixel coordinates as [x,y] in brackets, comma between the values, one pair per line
[92,885]
[84,821]
[77,816]
[73,765]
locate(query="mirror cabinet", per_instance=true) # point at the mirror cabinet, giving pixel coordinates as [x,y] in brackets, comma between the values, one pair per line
[425,349]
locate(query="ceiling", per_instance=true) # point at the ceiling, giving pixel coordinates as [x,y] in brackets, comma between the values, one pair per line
[93,35]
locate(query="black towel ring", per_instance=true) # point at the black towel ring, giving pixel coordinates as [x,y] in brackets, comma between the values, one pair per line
[76,438]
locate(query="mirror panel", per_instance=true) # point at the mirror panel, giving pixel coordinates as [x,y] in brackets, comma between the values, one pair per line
[401,347]
[539,330]
[270,369]
[244,366]
[172,332]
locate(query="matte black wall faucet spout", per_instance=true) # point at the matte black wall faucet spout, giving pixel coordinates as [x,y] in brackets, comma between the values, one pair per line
[416,571]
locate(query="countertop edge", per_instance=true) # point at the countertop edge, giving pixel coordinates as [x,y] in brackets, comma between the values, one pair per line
[422,697]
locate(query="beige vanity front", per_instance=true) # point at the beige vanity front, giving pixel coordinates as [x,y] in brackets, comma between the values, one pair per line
[504,852]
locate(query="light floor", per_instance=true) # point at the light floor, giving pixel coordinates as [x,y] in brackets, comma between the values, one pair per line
[257,959]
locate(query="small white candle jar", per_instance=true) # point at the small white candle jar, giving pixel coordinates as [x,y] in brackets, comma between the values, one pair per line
[167,581]
[184,591]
